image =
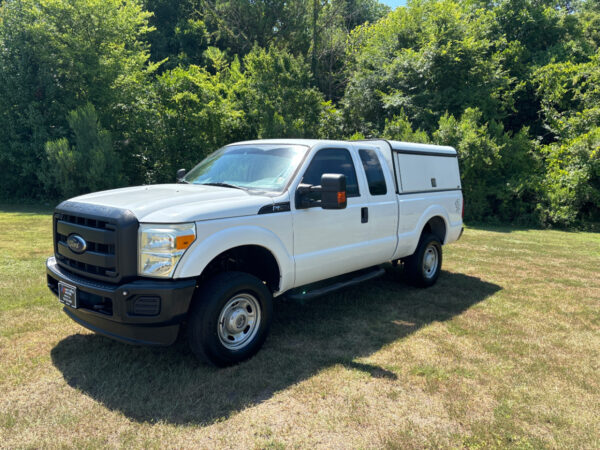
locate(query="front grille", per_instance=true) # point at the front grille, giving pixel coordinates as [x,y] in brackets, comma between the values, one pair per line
[92,223]
[110,235]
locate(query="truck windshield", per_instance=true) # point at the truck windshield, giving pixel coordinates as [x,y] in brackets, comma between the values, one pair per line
[265,167]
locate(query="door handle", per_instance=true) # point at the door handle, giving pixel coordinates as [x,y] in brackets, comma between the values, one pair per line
[364,215]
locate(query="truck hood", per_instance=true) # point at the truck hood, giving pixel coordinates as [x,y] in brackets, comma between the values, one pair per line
[173,203]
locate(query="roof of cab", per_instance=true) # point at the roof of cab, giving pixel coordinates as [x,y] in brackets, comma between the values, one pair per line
[395,145]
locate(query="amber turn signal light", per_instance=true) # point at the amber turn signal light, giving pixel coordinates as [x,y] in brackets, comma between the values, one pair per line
[183,242]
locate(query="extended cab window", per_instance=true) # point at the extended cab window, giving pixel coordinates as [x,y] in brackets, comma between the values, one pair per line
[374,173]
[332,160]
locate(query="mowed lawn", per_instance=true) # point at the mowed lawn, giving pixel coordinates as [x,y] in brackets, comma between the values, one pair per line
[503,352]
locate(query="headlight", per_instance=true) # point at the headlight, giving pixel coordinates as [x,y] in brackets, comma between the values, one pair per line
[161,247]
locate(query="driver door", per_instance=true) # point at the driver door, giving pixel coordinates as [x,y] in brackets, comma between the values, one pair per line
[330,242]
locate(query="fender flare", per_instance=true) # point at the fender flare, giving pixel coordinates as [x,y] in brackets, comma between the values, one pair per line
[431,212]
[195,260]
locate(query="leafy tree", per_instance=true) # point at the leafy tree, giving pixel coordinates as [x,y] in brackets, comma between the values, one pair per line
[498,170]
[55,56]
[570,98]
[399,128]
[427,59]
[198,112]
[180,34]
[89,163]
[334,21]
[277,95]
[239,25]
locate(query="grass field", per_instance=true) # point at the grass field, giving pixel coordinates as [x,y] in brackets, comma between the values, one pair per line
[503,352]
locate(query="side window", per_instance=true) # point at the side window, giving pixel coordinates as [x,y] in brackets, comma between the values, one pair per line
[374,173]
[333,160]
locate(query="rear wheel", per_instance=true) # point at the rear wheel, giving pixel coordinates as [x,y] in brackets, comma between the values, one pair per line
[423,267]
[230,318]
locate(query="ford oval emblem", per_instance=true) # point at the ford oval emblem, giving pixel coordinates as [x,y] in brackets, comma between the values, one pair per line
[76,243]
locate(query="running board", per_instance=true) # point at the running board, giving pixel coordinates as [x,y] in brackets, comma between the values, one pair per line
[308,295]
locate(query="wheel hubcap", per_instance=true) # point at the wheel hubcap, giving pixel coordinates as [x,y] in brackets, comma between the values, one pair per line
[239,321]
[430,261]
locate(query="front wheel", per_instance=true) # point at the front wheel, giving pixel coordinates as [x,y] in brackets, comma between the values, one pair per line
[423,266]
[230,318]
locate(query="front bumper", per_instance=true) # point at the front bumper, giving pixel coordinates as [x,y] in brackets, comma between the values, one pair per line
[143,311]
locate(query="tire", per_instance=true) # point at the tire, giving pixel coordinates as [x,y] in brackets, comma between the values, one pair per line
[423,267]
[230,318]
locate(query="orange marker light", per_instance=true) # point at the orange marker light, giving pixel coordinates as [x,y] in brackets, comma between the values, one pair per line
[183,242]
[341,197]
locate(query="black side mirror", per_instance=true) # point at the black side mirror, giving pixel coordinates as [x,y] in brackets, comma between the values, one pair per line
[180,174]
[333,191]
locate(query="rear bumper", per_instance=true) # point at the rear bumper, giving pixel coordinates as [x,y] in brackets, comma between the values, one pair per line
[143,311]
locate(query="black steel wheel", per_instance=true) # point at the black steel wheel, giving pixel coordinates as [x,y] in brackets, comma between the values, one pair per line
[230,318]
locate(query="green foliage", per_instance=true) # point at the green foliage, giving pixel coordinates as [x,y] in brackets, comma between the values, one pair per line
[90,164]
[514,85]
[572,181]
[497,168]
[239,25]
[334,21]
[399,128]
[57,55]
[278,96]
[180,34]
[570,102]
[430,58]
[197,112]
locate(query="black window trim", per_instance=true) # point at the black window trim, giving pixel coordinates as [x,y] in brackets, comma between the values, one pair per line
[380,168]
[353,166]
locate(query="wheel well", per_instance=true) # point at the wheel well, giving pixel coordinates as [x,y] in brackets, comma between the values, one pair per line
[437,226]
[252,259]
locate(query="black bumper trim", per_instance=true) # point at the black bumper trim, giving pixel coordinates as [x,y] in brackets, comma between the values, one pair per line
[123,324]
[124,335]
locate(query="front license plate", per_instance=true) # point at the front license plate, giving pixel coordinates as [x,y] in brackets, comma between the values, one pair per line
[67,294]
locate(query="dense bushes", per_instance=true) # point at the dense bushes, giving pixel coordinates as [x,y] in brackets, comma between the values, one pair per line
[89,163]
[514,85]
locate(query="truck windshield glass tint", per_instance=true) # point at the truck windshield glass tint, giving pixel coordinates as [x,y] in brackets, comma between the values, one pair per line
[261,167]
[333,160]
[374,172]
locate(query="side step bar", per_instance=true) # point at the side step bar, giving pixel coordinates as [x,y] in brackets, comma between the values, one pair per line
[308,295]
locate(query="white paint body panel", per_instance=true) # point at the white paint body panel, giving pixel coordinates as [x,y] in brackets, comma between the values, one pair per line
[310,244]
[271,231]
[177,203]
[328,243]
[418,173]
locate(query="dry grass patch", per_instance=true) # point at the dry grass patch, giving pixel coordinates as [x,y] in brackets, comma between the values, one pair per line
[502,352]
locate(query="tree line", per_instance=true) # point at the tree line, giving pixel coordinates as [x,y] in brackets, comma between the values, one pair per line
[96,94]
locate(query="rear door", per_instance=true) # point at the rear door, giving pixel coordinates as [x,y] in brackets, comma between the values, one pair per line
[382,209]
[330,242]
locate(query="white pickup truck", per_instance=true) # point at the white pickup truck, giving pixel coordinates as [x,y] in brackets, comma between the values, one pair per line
[253,221]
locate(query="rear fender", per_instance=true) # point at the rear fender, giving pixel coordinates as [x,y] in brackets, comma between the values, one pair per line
[415,235]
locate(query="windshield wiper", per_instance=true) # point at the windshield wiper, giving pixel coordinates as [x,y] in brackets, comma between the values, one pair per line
[224,185]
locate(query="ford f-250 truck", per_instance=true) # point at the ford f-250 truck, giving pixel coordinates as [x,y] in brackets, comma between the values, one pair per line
[253,221]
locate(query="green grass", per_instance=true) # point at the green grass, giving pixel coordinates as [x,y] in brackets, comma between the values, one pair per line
[503,352]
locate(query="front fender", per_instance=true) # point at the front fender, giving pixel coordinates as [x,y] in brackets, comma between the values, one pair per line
[203,251]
